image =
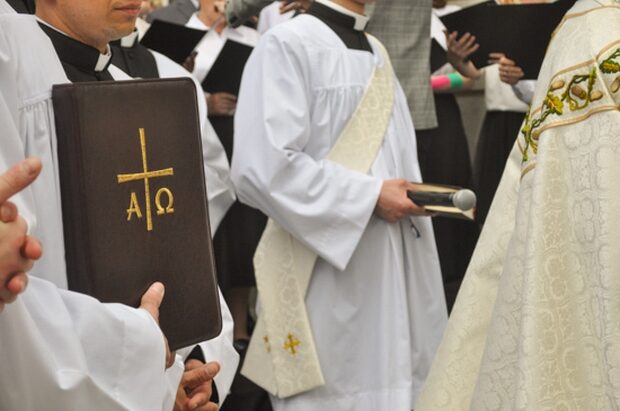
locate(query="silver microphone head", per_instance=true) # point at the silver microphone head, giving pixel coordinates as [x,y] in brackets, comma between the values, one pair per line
[464,199]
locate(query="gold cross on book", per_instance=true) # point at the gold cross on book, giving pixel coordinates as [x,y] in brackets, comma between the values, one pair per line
[134,207]
[291,344]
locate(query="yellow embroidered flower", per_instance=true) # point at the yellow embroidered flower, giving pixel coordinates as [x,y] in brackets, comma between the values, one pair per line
[609,66]
[555,104]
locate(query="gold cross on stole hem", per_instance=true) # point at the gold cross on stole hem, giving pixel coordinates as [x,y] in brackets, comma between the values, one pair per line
[291,344]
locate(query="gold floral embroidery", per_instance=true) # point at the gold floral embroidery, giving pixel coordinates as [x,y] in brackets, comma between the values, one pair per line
[610,65]
[578,93]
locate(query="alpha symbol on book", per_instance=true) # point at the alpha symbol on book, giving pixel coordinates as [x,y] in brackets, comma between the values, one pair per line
[291,344]
[164,200]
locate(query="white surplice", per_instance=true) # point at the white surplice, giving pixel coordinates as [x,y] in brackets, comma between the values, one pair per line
[375,300]
[212,43]
[61,350]
[270,17]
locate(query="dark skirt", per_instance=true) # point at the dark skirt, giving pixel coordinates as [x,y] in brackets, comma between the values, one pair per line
[444,159]
[497,137]
[236,239]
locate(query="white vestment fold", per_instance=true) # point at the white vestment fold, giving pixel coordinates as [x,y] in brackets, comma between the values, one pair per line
[536,323]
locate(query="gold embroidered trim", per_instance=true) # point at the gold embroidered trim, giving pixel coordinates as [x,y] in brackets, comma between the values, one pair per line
[527,169]
[578,66]
[575,120]
[578,93]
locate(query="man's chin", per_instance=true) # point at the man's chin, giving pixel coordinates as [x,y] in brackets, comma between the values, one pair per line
[123,30]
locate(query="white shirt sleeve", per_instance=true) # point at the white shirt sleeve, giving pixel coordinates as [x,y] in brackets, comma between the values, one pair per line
[524,90]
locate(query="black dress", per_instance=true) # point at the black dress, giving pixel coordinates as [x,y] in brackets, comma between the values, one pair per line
[497,137]
[236,239]
[444,158]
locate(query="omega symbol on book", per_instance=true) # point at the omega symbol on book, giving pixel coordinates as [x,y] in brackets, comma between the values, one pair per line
[164,200]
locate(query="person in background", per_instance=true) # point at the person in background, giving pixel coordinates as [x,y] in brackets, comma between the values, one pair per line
[335,225]
[444,158]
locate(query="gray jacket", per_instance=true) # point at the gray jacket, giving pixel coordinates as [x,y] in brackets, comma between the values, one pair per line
[404,27]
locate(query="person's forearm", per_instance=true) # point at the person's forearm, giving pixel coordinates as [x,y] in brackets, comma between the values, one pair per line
[467,69]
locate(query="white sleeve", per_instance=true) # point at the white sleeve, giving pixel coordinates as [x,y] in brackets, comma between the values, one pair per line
[321,203]
[62,350]
[524,90]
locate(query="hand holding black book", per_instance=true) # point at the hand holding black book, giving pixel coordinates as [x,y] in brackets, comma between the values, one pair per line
[522,32]
[134,199]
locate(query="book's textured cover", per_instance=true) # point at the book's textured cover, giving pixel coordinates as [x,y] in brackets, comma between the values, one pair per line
[134,199]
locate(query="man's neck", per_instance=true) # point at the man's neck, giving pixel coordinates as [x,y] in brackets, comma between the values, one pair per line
[352,5]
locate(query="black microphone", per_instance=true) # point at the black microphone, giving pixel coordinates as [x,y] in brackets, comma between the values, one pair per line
[463,199]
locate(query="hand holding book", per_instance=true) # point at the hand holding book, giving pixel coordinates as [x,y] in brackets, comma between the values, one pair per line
[393,204]
[443,200]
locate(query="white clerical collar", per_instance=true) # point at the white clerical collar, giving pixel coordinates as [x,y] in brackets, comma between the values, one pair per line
[103,60]
[360,20]
[129,40]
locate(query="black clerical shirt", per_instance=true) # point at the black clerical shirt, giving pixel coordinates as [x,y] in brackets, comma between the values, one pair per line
[133,58]
[81,62]
[22,6]
[343,25]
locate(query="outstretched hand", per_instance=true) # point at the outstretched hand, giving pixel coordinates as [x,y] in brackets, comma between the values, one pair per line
[17,249]
[459,51]
[196,387]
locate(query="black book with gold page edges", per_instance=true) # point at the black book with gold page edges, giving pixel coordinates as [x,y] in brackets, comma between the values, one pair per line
[134,199]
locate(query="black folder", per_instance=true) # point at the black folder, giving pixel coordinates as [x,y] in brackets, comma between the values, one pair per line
[522,32]
[134,199]
[225,74]
[172,40]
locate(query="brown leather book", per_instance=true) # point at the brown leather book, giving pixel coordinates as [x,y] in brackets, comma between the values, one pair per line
[134,199]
